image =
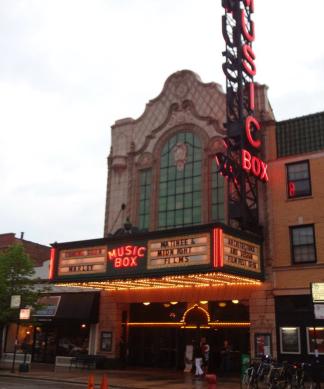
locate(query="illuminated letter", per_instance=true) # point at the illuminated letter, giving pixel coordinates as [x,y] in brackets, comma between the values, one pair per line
[126,262]
[249,3]
[128,250]
[118,262]
[112,254]
[256,166]
[251,96]
[249,36]
[249,121]
[133,261]
[248,60]
[120,251]
[141,251]
[246,160]
[264,174]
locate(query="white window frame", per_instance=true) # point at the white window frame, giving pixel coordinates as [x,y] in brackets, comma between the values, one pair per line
[281,345]
[308,339]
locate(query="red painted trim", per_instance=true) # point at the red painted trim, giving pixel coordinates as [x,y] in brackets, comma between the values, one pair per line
[218,247]
[52,262]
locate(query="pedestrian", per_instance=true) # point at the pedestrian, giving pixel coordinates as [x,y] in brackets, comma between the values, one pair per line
[198,357]
[225,354]
[205,354]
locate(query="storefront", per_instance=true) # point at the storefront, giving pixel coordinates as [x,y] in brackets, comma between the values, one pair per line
[62,327]
[164,290]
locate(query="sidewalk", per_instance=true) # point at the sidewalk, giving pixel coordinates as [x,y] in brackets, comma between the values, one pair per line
[127,379]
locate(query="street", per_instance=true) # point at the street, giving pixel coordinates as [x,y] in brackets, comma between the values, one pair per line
[19,383]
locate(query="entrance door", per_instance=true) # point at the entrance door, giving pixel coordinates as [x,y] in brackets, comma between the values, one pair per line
[44,344]
[153,347]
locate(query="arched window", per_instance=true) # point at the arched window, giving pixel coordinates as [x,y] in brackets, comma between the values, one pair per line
[145,199]
[180,181]
[217,194]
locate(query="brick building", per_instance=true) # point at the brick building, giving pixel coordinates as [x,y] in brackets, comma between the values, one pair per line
[38,253]
[296,232]
[48,334]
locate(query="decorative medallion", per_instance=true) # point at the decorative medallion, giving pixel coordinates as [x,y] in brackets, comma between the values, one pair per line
[180,152]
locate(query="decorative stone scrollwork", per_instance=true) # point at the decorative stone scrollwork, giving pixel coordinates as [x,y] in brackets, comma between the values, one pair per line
[145,161]
[216,145]
[119,164]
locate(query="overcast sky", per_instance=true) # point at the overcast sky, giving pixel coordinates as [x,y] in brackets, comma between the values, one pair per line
[70,68]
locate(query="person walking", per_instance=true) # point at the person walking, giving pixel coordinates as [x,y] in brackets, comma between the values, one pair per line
[198,357]
[225,354]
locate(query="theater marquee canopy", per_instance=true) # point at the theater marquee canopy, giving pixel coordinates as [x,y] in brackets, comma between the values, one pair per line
[201,256]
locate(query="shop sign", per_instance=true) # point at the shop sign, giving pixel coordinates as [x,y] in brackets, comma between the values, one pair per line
[240,69]
[49,306]
[240,253]
[15,301]
[319,311]
[180,251]
[317,290]
[24,314]
[88,260]
[126,256]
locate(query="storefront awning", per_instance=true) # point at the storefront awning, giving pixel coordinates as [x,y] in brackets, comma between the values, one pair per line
[83,306]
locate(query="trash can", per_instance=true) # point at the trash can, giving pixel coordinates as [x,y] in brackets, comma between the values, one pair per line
[245,363]
[23,368]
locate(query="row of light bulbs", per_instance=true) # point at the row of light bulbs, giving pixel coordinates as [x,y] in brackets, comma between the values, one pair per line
[203,302]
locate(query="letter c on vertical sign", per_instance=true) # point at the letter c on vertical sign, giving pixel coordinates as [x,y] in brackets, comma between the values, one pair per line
[249,121]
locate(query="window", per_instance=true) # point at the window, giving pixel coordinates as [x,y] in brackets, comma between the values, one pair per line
[217,194]
[180,194]
[315,340]
[298,179]
[289,340]
[145,199]
[303,244]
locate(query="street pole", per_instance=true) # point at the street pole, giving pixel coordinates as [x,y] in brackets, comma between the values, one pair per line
[15,349]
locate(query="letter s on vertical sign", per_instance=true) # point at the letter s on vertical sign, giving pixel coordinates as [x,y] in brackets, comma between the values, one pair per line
[248,60]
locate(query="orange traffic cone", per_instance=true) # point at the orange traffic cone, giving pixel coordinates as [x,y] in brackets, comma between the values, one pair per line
[211,380]
[104,382]
[91,382]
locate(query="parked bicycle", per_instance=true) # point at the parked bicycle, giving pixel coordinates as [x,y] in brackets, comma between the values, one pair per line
[267,374]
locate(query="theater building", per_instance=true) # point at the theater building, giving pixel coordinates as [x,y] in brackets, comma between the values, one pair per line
[169,268]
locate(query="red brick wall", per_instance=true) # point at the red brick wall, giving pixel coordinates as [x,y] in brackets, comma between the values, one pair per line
[37,252]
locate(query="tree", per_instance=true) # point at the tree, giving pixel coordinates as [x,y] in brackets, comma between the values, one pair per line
[16,278]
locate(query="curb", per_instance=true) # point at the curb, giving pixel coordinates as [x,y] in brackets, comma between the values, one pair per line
[7,375]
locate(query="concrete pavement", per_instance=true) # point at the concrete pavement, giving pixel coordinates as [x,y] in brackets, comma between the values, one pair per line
[126,379]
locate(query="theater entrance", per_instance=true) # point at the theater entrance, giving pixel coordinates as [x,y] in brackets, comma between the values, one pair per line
[159,333]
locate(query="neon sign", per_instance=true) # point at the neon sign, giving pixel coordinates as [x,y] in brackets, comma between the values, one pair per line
[126,256]
[243,128]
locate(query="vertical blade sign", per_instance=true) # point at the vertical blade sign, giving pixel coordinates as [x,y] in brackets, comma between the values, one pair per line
[243,128]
